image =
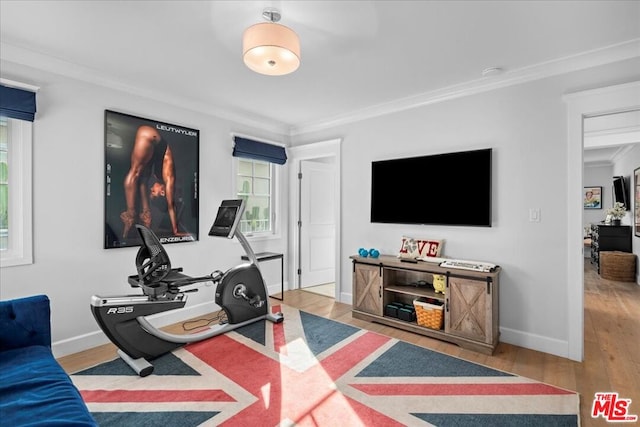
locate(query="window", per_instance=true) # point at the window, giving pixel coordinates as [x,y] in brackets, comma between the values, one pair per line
[4,186]
[255,184]
[15,192]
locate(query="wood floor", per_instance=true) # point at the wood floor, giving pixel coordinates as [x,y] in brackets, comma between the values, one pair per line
[612,344]
[328,289]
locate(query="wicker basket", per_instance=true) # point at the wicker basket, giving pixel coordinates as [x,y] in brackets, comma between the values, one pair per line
[620,266]
[427,314]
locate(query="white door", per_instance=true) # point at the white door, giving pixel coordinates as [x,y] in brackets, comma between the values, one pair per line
[317,223]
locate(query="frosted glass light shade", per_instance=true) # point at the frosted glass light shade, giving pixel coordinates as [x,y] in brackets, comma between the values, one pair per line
[270,48]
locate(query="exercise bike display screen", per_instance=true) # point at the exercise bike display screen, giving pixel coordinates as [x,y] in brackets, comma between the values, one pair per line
[227,218]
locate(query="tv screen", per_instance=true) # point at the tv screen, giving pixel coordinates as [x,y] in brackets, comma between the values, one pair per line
[621,191]
[444,189]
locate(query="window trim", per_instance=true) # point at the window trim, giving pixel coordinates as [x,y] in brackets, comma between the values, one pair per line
[20,246]
[275,232]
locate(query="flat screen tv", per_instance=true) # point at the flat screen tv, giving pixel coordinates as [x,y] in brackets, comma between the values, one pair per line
[444,189]
[621,191]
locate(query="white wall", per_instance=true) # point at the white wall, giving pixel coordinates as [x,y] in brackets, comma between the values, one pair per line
[526,126]
[68,162]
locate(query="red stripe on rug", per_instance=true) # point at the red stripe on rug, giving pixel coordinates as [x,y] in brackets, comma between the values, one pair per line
[459,389]
[338,363]
[119,396]
[224,353]
[285,394]
[279,339]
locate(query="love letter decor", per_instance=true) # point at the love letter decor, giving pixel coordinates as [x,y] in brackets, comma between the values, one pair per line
[418,248]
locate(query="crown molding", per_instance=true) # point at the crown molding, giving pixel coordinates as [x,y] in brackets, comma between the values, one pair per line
[614,53]
[612,137]
[618,52]
[29,58]
[622,153]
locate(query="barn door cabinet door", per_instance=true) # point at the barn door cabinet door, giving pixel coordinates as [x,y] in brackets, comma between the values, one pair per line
[471,312]
[367,292]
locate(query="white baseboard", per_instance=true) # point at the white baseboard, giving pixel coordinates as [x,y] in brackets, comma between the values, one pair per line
[346,298]
[535,342]
[275,289]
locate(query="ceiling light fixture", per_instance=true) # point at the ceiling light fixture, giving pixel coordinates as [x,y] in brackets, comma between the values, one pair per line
[271,48]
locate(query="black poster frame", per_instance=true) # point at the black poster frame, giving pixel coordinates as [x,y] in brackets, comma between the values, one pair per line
[146,160]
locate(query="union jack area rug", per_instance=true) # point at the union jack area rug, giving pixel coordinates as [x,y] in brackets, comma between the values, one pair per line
[311,371]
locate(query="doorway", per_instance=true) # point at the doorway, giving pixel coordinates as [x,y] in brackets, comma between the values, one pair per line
[581,105]
[316,225]
[315,217]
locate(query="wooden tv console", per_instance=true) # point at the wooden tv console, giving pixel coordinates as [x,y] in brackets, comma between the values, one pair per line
[470,299]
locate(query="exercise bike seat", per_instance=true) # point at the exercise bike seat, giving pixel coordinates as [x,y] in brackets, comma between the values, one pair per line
[173,276]
[152,261]
[155,275]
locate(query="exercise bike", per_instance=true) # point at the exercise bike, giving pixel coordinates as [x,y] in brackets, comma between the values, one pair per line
[240,292]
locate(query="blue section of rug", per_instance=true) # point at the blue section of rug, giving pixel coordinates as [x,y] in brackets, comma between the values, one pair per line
[499,420]
[322,334]
[167,364]
[152,419]
[408,360]
[254,331]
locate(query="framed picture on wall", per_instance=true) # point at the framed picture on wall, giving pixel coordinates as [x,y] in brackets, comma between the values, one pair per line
[592,198]
[636,201]
[151,178]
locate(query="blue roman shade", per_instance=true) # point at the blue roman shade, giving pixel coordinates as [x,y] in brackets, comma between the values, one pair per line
[17,103]
[256,150]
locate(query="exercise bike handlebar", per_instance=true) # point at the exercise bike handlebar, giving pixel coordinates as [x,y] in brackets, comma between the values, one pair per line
[171,286]
[214,277]
[185,280]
